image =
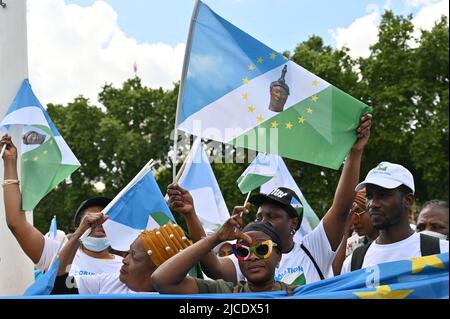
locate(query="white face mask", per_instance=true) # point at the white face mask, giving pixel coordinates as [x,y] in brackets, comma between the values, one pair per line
[95,244]
[434,234]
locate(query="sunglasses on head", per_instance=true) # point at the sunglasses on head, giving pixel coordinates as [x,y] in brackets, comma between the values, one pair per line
[356,216]
[261,250]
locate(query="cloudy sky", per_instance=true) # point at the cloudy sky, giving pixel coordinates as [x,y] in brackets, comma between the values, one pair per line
[76,46]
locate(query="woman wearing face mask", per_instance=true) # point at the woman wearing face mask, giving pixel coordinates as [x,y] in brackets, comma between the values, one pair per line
[92,258]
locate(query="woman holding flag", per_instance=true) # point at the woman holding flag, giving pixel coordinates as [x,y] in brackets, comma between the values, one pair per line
[92,257]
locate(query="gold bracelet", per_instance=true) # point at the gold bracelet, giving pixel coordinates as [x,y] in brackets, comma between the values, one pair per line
[10,182]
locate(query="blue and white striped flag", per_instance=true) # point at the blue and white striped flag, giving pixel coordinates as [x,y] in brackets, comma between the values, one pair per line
[139,206]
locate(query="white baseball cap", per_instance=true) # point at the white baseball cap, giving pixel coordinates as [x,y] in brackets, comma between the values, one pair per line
[388,175]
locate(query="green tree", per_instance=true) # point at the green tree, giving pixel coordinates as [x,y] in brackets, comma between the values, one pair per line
[408,87]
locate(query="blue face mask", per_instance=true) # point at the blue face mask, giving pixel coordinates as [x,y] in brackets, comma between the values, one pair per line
[95,244]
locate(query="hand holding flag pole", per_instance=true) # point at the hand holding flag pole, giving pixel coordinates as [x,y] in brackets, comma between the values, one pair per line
[142,172]
[245,204]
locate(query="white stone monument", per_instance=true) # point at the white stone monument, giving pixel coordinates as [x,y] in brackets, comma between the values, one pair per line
[16,269]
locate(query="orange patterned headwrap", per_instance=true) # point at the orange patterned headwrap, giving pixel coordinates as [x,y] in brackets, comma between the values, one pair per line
[164,242]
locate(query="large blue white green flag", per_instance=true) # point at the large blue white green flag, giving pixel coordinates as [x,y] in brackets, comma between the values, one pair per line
[236,90]
[46,159]
[198,178]
[283,178]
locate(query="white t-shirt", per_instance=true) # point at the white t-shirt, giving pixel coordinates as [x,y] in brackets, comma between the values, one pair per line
[296,265]
[82,264]
[103,284]
[404,249]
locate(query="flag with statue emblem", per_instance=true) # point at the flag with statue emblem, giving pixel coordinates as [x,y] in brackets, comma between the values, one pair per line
[46,159]
[236,90]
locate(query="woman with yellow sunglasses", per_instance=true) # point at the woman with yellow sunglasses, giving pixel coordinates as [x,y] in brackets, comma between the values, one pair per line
[258,250]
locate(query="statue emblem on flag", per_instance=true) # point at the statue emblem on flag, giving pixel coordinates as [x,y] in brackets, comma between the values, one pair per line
[279,92]
[33,137]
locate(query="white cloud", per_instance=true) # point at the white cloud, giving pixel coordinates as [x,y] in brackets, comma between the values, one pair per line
[418,3]
[363,32]
[360,35]
[428,15]
[75,50]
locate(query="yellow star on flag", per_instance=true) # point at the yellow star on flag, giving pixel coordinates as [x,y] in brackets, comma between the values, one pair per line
[45,152]
[245,80]
[260,119]
[314,98]
[274,124]
[251,67]
[289,125]
[301,120]
[35,158]
[51,142]
[315,83]
[251,109]
[260,60]
[272,55]
[419,263]
[309,110]
[384,292]
[245,96]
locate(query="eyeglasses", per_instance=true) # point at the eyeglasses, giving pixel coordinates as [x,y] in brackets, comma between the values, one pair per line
[261,250]
[356,216]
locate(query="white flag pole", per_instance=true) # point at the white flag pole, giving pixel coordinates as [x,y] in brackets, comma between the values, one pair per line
[245,203]
[2,151]
[187,53]
[57,253]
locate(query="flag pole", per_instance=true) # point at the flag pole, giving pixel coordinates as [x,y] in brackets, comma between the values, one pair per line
[248,196]
[57,253]
[245,203]
[180,92]
[105,210]
[2,151]
[180,172]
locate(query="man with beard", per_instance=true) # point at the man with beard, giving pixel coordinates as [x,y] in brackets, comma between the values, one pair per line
[389,197]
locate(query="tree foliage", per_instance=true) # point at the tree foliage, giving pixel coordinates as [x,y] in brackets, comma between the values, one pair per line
[405,80]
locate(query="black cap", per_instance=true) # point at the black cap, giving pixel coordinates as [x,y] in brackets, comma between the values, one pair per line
[282,197]
[95,201]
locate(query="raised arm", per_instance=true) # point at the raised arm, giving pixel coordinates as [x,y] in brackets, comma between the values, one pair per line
[335,218]
[67,254]
[29,238]
[180,200]
[340,254]
[171,276]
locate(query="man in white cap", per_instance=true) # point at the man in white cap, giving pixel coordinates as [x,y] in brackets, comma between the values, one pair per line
[389,196]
